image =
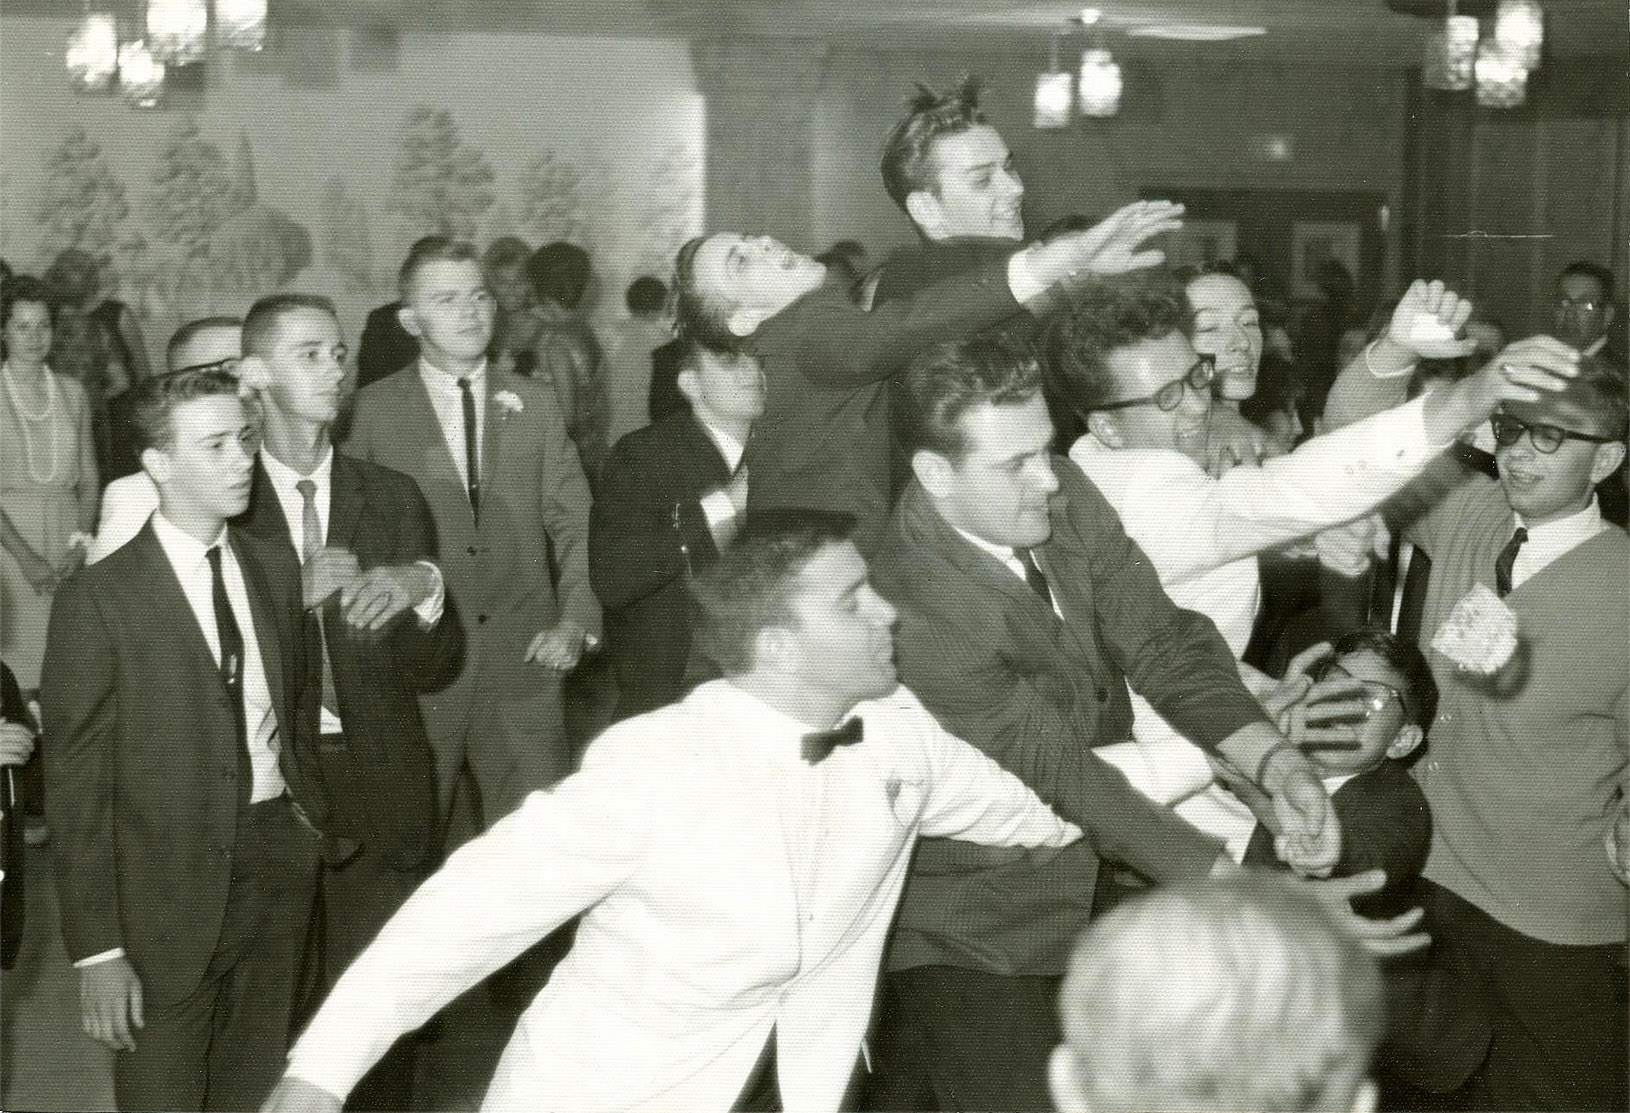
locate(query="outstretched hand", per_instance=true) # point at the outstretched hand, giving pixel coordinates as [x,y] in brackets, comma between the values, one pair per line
[1380,937]
[1115,246]
[1427,320]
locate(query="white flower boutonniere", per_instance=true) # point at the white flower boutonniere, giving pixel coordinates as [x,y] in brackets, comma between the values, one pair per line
[509,402]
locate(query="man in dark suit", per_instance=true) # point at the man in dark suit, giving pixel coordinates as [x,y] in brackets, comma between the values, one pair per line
[665,397]
[1025,610]
[505,487]
[671,496]
[824,438]
[386,347]
[367,543]
[183,791]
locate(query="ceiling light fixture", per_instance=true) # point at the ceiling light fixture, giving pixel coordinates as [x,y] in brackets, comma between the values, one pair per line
[1451,53]
[177,30]
[1054,93]
[93,53]
[1519,28]
[1100,83]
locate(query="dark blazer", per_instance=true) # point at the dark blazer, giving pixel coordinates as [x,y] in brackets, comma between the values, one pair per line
[647,533]
[386,347]
[381,786]
[823,441]
[1000,669]
[145,777]
[665,396]
[13,850]
[534,503]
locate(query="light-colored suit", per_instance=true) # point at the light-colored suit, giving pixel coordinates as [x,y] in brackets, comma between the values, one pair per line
[731,888]
[501,711]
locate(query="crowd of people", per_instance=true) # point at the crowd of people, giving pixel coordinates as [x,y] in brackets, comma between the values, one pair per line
[1004,677]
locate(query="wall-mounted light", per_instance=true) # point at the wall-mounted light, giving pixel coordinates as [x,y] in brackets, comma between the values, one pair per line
[141,76]
[241,24]
[1502,82]
[1451,53]
[1055,93]
[1100,83]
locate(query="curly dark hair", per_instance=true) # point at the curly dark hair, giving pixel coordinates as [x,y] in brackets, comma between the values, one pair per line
[1109,315]
[946,381]
[908,151]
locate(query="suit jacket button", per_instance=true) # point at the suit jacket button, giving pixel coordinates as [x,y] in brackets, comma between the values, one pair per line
[1103,695]
[471,550]
[481,619]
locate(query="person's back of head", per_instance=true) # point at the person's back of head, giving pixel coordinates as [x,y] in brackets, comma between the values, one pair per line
[646,296]
[1235,994]
[207,341]
[75,277]
[559,273]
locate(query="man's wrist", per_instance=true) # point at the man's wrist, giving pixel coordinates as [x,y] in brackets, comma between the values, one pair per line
[1273,769]
[1385,358]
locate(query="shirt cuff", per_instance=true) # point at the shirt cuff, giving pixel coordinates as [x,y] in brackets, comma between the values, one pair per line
[430,611]
[718,510]
[1021,279]
[97,960]
[1400,438]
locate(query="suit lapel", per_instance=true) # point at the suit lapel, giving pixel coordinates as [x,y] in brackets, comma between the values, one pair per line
[166,594]
[265,517]
[269,632]
[702,454]
[345,502]
[438,457]
[975,563]
[492,427]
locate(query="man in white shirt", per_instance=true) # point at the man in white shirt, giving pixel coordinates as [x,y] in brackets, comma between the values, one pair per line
[1123,362]
[181,782]
[736,858]
[671,496]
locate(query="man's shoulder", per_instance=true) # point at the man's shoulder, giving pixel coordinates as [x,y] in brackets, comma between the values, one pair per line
[914,266]
[377,480]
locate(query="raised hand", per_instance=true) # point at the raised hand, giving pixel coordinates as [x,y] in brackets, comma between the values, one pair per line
[1427,320]
[1113,246]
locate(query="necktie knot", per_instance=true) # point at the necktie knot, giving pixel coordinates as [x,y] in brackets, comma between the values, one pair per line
[817,745]
[307,489]
[1507,561]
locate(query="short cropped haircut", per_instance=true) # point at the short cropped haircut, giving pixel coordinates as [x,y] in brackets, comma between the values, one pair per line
[260,326]
[908,152]
[505,251]
[432,249]
[946,381]
[154,400]
[1236,994]
[645,295]
[25,287]
[696,318]
[1587,269]
[1109,315]
[751,586]
[1403,657]
[559,273]
[189,331]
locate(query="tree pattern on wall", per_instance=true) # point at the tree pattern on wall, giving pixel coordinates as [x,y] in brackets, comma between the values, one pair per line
[668,214]
[349,249]
[82,204]
[551,194]
[441,185]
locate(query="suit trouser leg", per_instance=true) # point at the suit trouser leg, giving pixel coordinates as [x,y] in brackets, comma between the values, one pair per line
[1558,1013]
[517,744]
[222,1046]
[358,898]
[982,1039]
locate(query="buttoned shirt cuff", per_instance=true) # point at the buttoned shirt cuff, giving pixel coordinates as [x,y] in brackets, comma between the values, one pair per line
[97,960]
[430,610]
[1021,279]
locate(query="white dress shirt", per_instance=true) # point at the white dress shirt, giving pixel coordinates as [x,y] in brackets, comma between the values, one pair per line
[730,889]
[1009,557]
[1554,540]
[127,503]
[285,484]
[448,401]
[717,508]
[1203,535]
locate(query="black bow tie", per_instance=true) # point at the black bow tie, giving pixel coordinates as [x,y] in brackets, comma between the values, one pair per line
[817,745]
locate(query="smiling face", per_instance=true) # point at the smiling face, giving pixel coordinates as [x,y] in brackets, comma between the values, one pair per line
[756,276]
[1548,486]
[450,310]
[1228,328]
[205,470]
[840,641]
[306,366]
[1139,370]
[977,191]
[1001,487]
[28,334]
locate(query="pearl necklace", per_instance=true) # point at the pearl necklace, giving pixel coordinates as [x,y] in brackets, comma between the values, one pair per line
[27,421]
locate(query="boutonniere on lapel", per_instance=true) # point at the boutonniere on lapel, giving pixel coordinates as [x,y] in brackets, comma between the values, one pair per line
[509,402]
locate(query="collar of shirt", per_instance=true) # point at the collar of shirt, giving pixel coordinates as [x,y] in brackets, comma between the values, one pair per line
[1333,783]
[446,382]
[1005,554]
[184,551]
[284,480]
[758,724]
[1555,539]
[729,447]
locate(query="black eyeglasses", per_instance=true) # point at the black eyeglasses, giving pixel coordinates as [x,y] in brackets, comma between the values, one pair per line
[1580,305]
[1376,694]
[1546,438]
[230,363]
[1170,396]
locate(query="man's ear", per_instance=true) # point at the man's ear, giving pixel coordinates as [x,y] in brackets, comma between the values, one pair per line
[409,321]
[1608,459]
[773,648]
[1064,1082]
[156,463]
[926,213]
[1366,1098]
[933,471]
[1106,429]
[744,321]
[1403,743]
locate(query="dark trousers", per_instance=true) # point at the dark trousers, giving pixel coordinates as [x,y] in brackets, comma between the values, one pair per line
[1557,1014]
[357,899]
[222,1046]
[954,1039]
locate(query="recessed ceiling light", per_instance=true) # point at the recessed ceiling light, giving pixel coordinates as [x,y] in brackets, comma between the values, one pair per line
[1195,32]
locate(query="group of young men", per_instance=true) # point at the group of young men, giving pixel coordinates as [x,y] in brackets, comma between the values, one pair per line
[854,599]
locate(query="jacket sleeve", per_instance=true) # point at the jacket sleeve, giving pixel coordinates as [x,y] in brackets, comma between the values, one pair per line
[1172,657]
[430,657]
[80,701]
[981,696]
[1385,824]
[565,510]
[836,343]
[643,531]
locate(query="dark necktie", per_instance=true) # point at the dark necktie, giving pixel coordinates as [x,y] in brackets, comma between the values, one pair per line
[472,455]
[231,640]
[1505,561]
[1034,576]
[311,541]
[1412,605]
[818,745]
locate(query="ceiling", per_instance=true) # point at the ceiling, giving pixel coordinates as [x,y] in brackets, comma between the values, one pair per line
[1362,31]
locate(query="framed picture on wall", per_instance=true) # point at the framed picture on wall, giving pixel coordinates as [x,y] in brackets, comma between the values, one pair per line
[1203,241]
[1312,242]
